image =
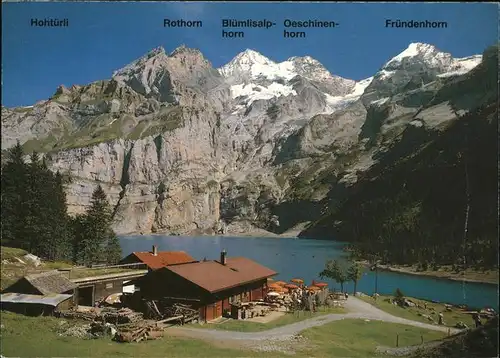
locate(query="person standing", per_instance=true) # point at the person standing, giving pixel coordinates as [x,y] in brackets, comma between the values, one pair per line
[441,319]
[477,320]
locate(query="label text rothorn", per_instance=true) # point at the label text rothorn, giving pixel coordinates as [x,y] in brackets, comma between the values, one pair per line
[181,23]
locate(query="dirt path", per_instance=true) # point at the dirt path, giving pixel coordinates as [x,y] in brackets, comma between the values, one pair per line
[358,310]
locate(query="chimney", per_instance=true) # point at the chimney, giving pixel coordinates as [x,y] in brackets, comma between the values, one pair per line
[155,250]
[223,257]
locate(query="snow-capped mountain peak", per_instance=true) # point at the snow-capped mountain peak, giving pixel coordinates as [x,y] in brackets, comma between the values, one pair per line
[250,56]
[247,62]
[416,49]
[430,57]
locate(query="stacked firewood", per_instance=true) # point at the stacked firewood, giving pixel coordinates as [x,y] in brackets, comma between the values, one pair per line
[138,332]
[163,311]
[178,309]
[118,316]
[107,314]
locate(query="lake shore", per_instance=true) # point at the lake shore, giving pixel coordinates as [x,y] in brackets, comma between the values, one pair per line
[254,234]
[487,277]
[240,229]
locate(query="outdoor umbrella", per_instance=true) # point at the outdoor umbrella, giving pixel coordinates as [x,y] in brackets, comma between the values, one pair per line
[320,284]
[280,283]
[297,280]
[275,287]
[291,286]
[313,288]
[273,294]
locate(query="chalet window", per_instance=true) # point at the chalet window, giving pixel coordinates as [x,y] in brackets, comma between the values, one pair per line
[109,285]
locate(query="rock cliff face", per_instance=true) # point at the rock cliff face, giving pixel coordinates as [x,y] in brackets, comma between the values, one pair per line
[183,148]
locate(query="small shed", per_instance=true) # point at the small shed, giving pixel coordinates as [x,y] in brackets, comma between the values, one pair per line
[44,283]
[35,305]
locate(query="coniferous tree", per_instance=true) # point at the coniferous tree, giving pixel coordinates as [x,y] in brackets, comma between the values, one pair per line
[113,249]
[96,241]
[35,220]
[61,242]
[78,225]
[34,208]
[13,197]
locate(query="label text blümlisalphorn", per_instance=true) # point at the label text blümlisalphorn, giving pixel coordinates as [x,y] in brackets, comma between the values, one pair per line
[413,24]
[47,22]
[182,23]
[242,24]
[291,24]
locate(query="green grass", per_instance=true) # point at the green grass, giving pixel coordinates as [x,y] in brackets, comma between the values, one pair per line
[39,145]
[103,128]
[136,133]
[8,253]
[358,338]
[23,336]
[38,337]
[165,123]
[412,313]
[288,318]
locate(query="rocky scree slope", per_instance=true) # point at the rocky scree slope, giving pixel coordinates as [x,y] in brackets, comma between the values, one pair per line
[184,148]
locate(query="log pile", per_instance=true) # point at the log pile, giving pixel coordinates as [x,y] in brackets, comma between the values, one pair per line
[138,332]
[165,312]
[182,312]
[107,314]
[178,309]
[120,316]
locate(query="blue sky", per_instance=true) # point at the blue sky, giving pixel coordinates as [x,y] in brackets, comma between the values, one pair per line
[103,37]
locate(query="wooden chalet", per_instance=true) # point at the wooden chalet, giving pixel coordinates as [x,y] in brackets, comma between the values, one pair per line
[39,294]
[208,286]
[157,259]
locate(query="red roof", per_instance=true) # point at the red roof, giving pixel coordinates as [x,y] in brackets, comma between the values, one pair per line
[213,276]
[163,258]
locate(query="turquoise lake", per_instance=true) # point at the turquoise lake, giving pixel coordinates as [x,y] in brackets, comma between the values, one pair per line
[305,258]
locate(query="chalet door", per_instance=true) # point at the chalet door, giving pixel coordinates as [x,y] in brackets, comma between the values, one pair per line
[202,313]
[218,309]
[210,312]
[225,305]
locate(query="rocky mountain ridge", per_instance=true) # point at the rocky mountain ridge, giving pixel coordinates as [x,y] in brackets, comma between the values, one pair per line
[184,148]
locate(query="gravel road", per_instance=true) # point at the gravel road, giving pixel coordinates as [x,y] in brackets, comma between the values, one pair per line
[357,308]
